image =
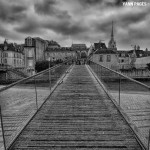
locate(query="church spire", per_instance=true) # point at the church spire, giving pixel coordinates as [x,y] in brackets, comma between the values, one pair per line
[112,42]
[112,31]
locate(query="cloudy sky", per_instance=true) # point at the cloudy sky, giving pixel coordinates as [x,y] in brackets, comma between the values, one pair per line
[77,21]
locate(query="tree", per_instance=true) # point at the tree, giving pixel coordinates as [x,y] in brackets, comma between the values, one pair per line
[148,66]
[41,65]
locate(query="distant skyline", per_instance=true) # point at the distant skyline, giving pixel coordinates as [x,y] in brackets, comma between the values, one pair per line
[77,21]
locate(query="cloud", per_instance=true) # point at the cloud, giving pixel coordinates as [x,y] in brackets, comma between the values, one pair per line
[28,27]
[67,29]
[81,20]
[11,12]
[91,2]
[46,7]
[6,32]
[140,30]
[49,7]
[133,15]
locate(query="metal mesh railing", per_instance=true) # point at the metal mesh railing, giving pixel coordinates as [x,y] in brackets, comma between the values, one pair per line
[21,100]
[131,97]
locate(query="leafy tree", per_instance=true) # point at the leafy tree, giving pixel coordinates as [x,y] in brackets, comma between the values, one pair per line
[148,66]
[42,65]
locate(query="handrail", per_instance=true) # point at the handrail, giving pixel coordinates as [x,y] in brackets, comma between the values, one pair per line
[118,108]
[25,79]
[142,84]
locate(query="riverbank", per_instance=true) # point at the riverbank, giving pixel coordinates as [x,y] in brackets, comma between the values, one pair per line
[137,107]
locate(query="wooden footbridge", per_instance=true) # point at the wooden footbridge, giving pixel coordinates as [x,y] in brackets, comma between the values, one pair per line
[78,116]
[68,107]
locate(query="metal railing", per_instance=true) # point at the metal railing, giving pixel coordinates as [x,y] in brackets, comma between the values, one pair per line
[19,71]
[129,66]
[20,101]
[131,97]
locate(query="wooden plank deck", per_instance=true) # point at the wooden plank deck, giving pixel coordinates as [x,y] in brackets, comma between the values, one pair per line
[77,116]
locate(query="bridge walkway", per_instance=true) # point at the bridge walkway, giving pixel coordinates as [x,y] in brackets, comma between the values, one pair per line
[78,115]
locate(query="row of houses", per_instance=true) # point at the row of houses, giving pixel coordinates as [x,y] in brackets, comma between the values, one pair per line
[119,59]
[11,54]
[36,49]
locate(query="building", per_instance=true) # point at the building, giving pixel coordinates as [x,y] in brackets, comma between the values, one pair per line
[105,56]
[34,49]
[81,51]
[133,58]
[112,42]
[40,46]
[59,53]
[11,55]
[99,45]
[55,52]
[53,44]
[123,59]
[30,57]
[142,62]
[79,47]
[96,46]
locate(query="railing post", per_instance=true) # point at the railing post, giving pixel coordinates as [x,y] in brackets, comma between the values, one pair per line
[148,140]
[49,76]
[2,128]
[101,71]
[35,93]
[98,70]
[119,88]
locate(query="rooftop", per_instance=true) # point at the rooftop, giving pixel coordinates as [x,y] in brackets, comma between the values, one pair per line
[12,47]
[104,51]
[59,49]
[100,45]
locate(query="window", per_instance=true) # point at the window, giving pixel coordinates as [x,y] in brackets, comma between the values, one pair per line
[30,63]
[122,60]
[14,62]
[108,58]
[5,61]
[30,54]
[6,54]
[101,58]
[29,41]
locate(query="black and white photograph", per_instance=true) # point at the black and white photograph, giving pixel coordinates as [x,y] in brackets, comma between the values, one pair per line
[74,74]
